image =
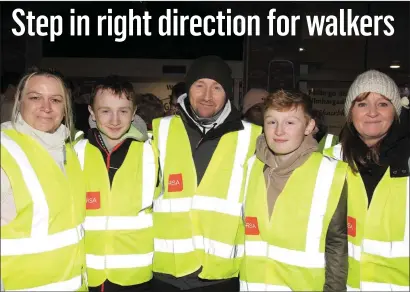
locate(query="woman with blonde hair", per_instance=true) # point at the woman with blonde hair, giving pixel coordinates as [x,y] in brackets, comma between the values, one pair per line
[377,152]
[42,190]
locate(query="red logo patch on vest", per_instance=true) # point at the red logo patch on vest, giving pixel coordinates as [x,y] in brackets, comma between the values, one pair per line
[175,183]
[251,226]
[93,201]
[351,226]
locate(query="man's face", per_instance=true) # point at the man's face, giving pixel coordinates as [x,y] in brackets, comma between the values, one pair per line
[207,97]
[112,113]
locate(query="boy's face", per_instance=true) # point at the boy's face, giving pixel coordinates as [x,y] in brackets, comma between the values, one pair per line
[285,131]
[112,113]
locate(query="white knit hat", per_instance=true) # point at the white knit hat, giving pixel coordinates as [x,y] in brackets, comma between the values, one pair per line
[377,82]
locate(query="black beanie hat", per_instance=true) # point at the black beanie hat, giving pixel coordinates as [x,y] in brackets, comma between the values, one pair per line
[211,67]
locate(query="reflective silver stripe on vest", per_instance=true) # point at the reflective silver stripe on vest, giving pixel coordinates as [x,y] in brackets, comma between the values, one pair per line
[119,261]
[394,249]
[386,249]
[79,149]
[338,152]
[140,221]
[40,240]
[311,257]
[246,286]
[250,163]
[73,284]
[148,175]
[163,132]
[197,202]
[328,141]
[40,207]
[231,205]
[354,251]
[100,223]
[318,209]
[32,245]
[210,246]
[78,135]
[242,147]
[371,286]
[348,288]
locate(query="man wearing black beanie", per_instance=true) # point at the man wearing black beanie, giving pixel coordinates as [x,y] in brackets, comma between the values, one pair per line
[198,226]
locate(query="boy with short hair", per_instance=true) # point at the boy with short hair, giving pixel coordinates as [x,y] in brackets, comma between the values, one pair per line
[295,207]
[120,170]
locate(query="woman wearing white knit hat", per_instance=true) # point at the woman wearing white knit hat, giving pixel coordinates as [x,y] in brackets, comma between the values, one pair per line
[378,185]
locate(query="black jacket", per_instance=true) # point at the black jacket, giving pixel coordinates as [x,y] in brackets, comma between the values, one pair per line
[394,153]
[203,145]
[113,160]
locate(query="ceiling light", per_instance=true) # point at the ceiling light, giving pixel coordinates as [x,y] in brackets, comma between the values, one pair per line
[301,49]
[395,65]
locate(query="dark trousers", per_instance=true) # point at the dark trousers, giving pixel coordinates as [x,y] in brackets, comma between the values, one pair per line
[231,285]
[111,287]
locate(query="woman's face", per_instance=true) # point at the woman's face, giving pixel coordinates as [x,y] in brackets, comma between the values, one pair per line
[373,117]
[42,103]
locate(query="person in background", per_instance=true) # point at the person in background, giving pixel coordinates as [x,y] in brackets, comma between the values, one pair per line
[80,106]
[377,152]
[253,106]
[405,113]
[9,83]
[325,139]
[149,107]
[197,216]
[121,175]
[42,191]
[295,205]
[177,90]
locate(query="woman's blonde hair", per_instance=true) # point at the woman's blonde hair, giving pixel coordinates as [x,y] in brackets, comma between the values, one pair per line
[68,112]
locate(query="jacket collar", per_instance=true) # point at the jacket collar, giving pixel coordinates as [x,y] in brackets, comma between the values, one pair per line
[231,123]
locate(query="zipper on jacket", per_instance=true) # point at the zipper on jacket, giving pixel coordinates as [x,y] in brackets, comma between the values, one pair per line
[109,155]
[203,135]
[109,203]
[108,162]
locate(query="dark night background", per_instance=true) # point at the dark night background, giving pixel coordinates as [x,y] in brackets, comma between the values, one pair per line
[334,53]
[156,63]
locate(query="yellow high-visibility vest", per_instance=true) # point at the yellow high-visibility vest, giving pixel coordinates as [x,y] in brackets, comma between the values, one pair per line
[327,141]
[286,252]
[118,225]
[199,226]
[42,249]
[378,234]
